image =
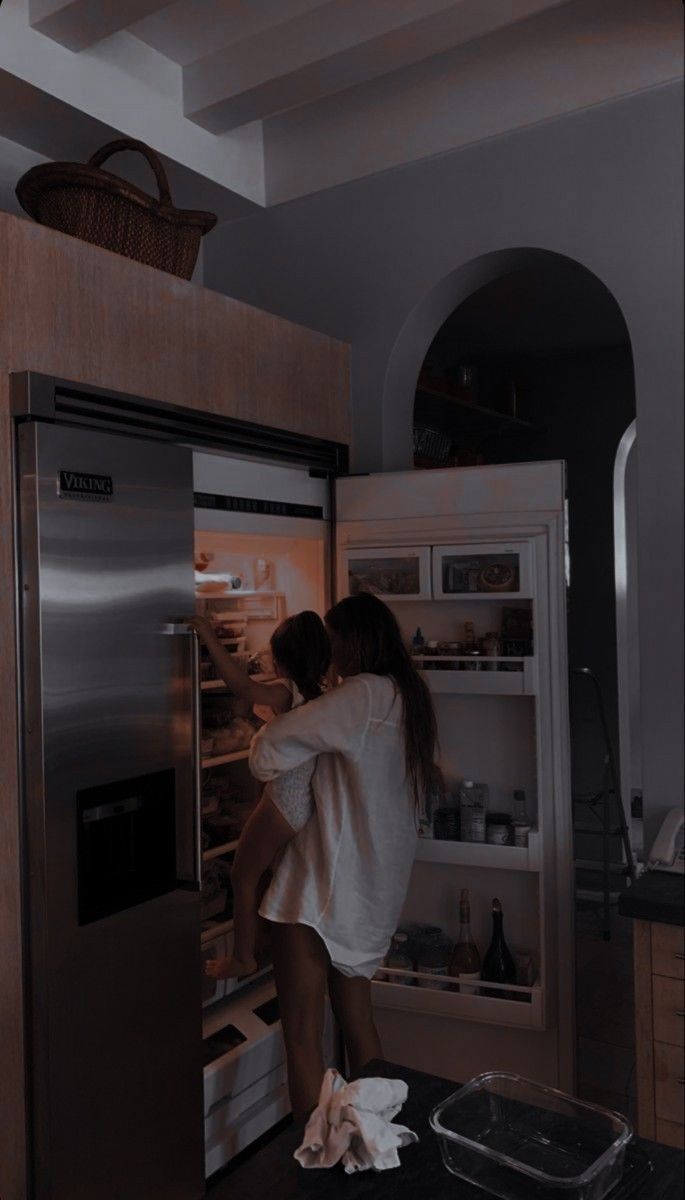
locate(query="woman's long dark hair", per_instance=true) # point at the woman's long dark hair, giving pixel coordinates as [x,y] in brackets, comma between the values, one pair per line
[372,641]
[302,650]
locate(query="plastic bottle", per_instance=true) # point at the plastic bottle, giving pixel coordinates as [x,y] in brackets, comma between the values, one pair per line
[473,802]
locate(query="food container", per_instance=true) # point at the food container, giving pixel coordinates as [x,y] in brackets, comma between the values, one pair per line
[521,833]
[446,823]
[498,829]
[431,961]
[519,1140]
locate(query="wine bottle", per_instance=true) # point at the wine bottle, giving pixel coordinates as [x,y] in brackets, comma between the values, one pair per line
[498,964]
[465,962]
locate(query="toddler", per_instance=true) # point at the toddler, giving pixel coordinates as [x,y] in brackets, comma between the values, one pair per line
[302,658]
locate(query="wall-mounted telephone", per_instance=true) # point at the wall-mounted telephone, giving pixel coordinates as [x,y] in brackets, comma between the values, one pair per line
[668,851]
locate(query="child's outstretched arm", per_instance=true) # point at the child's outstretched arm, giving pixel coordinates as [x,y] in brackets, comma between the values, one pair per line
[265,834]
[272,695]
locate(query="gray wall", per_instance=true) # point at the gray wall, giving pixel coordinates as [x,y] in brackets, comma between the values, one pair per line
[383,261]
[582,403]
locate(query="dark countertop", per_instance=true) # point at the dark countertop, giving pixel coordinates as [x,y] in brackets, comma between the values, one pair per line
[273,1172]
[656,896]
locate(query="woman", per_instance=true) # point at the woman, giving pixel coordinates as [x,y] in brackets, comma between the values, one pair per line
[339,888]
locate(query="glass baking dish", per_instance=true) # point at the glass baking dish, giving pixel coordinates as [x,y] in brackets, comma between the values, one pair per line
[519,1140]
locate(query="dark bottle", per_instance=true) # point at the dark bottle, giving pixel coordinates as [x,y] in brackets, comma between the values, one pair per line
[498,964]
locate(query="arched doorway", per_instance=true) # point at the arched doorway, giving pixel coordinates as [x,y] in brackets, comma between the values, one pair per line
[519,356]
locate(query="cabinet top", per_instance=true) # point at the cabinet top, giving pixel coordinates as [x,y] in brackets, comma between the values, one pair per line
[656,896]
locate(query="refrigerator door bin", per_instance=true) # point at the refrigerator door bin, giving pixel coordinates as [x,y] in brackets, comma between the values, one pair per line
[489,571]
[481,854]
[395,573]
[526,1012]
[519,1140]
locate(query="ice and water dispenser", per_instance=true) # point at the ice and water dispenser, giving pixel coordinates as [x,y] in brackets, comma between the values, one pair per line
[126,843]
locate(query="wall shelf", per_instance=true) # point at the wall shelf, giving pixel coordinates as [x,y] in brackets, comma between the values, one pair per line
[456,417]
[480,854]
[527,1013]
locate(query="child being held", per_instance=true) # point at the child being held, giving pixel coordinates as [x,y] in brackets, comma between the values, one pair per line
[302,658]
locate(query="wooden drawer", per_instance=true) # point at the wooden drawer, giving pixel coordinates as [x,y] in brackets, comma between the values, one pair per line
[668,950]
[668,1005]
[669,1082]
[671,1134]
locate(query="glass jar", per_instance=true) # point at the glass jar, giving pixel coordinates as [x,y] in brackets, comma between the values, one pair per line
[398,956]
[432,961]
[492,648]
[498,829]
[521,834]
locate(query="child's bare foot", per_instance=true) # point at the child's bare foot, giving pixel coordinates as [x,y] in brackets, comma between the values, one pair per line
[230,968]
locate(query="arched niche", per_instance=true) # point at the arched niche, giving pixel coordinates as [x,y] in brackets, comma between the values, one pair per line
[428,316]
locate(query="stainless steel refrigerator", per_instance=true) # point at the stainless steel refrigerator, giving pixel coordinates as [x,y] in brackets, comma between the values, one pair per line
[111,851]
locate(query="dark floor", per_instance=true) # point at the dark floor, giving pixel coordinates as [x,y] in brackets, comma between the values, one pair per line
[604,1016]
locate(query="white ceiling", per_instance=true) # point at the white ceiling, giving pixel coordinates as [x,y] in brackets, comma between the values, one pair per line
[266,100]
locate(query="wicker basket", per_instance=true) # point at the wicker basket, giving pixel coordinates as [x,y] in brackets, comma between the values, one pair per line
[91,204]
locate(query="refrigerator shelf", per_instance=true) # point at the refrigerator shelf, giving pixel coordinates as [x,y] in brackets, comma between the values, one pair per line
[221,759]
[214,929]
[236,593]
[480,854]
[215,1016]
[217,851]
[496,596]
[429,1000]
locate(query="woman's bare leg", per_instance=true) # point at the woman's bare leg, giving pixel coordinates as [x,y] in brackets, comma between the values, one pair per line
[352,1009]
[301,965]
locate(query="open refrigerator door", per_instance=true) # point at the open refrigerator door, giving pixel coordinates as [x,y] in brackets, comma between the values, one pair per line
[471,562]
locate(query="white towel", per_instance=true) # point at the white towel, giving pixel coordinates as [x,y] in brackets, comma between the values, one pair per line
[353,1123]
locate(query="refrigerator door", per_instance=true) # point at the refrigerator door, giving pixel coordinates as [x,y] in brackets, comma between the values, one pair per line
[111,879]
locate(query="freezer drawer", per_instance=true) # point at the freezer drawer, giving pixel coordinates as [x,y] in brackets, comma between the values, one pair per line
[248,1042]
[233,1136]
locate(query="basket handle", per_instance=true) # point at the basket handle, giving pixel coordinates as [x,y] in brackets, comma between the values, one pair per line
[154,160]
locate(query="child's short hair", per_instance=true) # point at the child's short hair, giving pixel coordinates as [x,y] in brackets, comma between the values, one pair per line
[302,649]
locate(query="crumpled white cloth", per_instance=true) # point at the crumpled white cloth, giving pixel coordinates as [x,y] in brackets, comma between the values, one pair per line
[353,1123]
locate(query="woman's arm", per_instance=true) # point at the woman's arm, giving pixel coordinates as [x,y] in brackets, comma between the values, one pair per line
[273,695]
[337,721]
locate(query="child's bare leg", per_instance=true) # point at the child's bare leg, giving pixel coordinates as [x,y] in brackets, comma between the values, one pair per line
[266,833]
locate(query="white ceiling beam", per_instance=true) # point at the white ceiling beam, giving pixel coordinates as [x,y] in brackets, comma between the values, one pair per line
[337,46]
[559,62]
[124,89]
[78,24]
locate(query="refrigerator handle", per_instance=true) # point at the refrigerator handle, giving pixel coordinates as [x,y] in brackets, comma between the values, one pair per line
[176,629]
[196,725]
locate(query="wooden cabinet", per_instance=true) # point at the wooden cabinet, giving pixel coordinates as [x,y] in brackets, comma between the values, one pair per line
[660,1031]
